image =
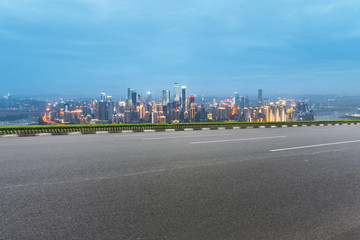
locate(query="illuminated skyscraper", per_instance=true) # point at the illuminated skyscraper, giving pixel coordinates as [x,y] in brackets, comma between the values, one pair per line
[165,97]
[176,93]
[183,97]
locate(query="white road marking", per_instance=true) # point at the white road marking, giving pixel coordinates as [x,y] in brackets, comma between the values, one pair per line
[334,150]
[330,128]
[235,140]
[313,146]
[192,136]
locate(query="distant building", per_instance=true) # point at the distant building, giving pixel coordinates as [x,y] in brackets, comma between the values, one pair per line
[191,99]
[176,93]
[183,98]
[130,97]
[260,96]
[165,97]
[236,100]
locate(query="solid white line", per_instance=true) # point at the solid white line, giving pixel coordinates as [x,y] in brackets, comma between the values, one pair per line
[239,139]
[312,146]
[192,136]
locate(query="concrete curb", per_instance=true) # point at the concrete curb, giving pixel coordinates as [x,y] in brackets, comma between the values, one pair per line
[149,130]
[9,136]
[127,131]
[102,132]
[169,130]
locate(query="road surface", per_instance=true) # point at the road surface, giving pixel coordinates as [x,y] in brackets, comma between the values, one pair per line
[281,183]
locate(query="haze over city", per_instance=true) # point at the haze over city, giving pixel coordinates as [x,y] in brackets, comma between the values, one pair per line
[84,47]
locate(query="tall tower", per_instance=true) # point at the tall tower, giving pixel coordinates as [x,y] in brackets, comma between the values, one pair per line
[129,97]
[191,99]
[165,97]
[183,97]
[247,101]
[103,97]
[237,100]
[260,96]
[176,93]
[242,102]
[133,99]
[148,97]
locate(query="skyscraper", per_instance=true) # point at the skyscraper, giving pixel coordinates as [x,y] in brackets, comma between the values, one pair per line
[130,97]
[176,93]
[165,97]
[247,101]
[242,102]
[260,96]
[191,99]
[148,97]
[103,97]
[237,100]
[103,114]
[183,97]
[133,99]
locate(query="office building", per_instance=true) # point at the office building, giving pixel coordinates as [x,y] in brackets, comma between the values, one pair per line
[176,93]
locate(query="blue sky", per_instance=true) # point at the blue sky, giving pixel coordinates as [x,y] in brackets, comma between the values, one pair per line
[214,47]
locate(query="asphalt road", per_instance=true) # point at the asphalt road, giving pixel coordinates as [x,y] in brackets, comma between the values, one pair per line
[282,183]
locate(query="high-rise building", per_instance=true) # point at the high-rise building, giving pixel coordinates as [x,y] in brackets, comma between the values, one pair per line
[183,97]
[242,102]
[260,96]
[130,97]
[148,97]
[165,97]
[103,115]
[247,101]
[191,99]
[133,99]
[103,97]
[176,93]
[237,100]
[110,110]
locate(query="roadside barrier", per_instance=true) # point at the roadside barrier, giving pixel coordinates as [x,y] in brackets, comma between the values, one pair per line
[47,130]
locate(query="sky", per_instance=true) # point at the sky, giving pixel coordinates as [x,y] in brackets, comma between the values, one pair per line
[213,47]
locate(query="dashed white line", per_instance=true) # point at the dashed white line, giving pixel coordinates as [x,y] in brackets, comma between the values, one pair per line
[192,136]
[313,146]
[235,140]
[327,151]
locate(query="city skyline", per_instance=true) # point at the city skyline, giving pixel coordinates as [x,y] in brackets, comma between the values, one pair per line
[90,46]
